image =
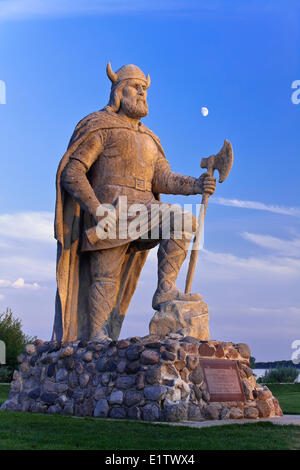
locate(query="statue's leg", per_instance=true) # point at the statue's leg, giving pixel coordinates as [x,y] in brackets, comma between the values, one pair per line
[106,266]
[171,254]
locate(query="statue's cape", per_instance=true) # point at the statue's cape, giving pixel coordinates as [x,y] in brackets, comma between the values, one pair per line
[72,270]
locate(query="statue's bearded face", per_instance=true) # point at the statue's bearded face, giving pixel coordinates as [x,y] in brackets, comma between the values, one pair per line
[134,99]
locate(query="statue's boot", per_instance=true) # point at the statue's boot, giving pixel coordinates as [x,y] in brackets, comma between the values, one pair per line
[101,299]
[171,254]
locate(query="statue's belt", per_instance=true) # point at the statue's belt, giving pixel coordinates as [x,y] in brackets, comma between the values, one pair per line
[128,181]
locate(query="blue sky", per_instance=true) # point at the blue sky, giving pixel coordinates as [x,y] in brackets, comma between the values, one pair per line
[238,59]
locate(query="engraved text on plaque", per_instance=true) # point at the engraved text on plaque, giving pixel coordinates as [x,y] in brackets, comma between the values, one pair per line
[222,380]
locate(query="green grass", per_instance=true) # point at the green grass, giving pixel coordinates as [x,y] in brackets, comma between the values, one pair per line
[288,396]
[37,431]
[29,431]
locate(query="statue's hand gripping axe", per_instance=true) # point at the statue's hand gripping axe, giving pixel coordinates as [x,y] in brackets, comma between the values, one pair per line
[223,163]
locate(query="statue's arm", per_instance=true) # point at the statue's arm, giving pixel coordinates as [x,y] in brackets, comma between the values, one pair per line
[74,178]
[167,182]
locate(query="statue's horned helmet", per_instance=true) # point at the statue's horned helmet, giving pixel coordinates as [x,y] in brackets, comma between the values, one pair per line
[126,72]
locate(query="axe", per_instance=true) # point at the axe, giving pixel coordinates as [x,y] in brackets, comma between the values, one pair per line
[223,163]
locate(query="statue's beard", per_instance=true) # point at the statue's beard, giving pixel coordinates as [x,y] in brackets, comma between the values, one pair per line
[134,108]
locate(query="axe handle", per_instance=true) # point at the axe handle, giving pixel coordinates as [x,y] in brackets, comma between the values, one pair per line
[197,238]
[195,245]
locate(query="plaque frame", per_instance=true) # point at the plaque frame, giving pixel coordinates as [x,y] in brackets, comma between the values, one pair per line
[222,396]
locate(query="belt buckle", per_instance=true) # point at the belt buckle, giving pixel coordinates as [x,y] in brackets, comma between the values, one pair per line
[139,184]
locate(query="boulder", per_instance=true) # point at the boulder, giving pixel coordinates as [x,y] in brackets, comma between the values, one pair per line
[175,315]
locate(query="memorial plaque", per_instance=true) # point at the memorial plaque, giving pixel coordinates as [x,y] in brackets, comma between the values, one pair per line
[222,379]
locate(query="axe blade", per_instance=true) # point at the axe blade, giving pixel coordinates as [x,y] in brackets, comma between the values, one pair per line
[224,160]
[221,162]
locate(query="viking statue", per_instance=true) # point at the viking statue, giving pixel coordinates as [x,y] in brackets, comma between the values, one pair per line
[111,154]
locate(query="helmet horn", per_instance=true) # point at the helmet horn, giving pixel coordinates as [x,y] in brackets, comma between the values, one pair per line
[111,75]
[148,80]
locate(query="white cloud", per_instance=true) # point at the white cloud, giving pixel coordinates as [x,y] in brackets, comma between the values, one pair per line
[285,247]
[272,265]
[36,226]
[283,262]
[18,284]
[29,267]
[19,9]
[28,247]
[293,211]
[285,310]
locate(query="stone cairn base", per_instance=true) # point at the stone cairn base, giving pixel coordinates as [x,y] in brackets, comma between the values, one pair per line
[147,378]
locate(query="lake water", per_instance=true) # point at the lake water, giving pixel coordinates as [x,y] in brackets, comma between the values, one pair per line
[261,372]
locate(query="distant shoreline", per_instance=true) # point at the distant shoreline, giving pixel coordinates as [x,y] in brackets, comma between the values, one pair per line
[275,364]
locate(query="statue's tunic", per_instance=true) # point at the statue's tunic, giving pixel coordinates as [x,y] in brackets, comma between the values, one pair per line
[128,162]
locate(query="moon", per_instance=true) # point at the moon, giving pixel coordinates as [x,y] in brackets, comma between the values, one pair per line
[204,111]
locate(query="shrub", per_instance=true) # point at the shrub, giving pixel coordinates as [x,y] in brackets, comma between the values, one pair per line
[6,374]
[15,340]
[280,375]
[252,362]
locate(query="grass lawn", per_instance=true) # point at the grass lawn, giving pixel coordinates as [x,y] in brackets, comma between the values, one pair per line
[37,431]
[288,396]
[29,431]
